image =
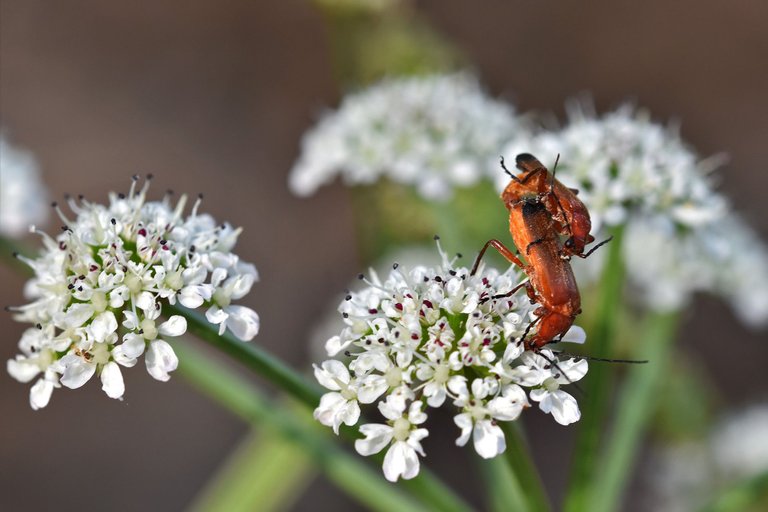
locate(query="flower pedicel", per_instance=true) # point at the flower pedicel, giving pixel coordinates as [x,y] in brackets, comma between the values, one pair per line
[99,289]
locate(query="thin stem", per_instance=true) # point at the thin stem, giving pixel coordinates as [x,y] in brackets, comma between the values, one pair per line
[429,488]
[597,386]
[243,399]
[635,405]
[523,469]
[503,489]
[252,356]
[265,472]
[746,494]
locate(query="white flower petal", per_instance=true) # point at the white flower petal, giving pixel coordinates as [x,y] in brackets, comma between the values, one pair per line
[103,325]
[174,326]
[243,322]
[40,394]
[112,380]
[160,359]
[22,370]
[489,439]
[376,438]
[76,371]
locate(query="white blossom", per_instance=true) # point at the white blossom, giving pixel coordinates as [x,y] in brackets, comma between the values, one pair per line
[434,133]
[416,336]
[23,198]
[401,432]
[100,287]
[680,236]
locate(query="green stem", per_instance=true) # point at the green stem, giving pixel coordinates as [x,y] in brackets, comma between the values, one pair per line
[635,406]
[426,486]
[252,356]
[265,472]
[243,399]
[522,468]
[597,386]
[747,494]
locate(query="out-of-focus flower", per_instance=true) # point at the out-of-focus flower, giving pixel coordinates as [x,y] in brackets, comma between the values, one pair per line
[23,198]
[623,165]
[100,286]
[687,475]
[430,335]
[680,236]
[434,133]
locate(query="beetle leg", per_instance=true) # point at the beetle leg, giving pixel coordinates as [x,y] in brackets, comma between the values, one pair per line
[510,292]
[503,250]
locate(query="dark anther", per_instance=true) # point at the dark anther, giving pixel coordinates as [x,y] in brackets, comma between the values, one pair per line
[452,272]
[345,315]
[54,204]
[436,237]
[459,255]
[360,276]
[200,195]
[438,279]
[113,221]
[15,254]
[39,326]
[395,265]
[348,297]
[121,195]
[135,177]
[150,176]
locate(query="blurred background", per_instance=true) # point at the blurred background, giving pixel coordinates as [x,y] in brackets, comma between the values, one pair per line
[214,97]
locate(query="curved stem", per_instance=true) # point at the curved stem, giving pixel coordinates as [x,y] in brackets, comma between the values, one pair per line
[597,391]
[635,406]
[243,399]
[747,494]
[527,477]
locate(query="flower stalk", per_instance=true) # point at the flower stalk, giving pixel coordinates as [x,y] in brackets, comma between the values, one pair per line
[243,399]
[597,384]
[635,407]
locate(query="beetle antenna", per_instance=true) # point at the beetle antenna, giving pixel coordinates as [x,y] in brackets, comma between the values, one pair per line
[601,359]
[562,372]
[504,166]
[596,247]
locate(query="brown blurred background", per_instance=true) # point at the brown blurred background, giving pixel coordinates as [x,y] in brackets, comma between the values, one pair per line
[214,96]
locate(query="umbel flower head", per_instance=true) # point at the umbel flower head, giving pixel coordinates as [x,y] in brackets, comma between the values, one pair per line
[680,236]
[431,336]
[99,289]
[433,132]
[22,194]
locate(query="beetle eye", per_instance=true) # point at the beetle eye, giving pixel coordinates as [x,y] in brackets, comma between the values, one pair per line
[569,243]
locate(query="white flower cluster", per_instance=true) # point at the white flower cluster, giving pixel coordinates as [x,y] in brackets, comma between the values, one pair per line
[434,132]
[100,286]
[634,173]
[430,335]
[22,194]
